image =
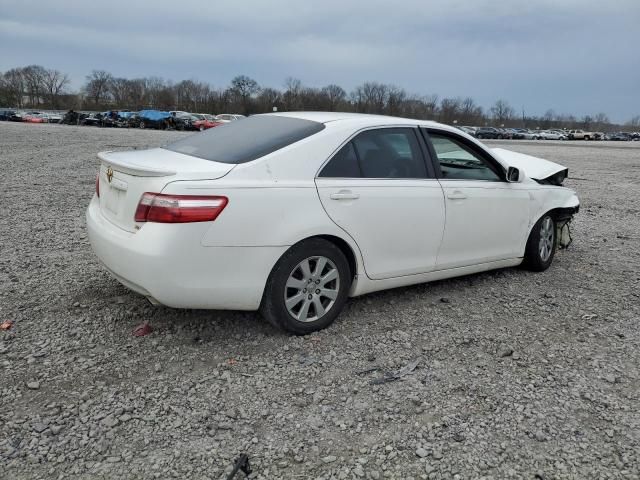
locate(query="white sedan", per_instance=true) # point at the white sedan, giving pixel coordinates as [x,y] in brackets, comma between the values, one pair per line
[551,135]
[291,213]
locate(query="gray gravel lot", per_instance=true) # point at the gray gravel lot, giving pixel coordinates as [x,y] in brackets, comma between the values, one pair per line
[520,375]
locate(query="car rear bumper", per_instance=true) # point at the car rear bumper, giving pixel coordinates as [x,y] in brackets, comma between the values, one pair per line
[168,264]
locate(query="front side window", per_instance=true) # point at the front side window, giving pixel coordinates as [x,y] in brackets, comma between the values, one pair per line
[459,162]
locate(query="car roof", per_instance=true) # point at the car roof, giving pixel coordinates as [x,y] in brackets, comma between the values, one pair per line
[361,119]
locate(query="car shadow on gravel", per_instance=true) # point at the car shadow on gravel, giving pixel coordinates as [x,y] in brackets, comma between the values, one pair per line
[125,309]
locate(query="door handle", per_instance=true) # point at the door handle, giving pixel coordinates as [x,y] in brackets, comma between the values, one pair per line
[456,195]
[344,195]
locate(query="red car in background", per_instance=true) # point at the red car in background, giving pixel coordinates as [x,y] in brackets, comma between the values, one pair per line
[204,121]
[34,117]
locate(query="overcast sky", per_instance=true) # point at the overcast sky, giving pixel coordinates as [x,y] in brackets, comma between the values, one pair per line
[574,56]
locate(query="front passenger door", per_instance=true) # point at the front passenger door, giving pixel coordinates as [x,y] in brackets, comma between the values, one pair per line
[378,189]
[487,217]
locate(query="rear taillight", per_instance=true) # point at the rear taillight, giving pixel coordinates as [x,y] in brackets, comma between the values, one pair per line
[98,184]
[156,207]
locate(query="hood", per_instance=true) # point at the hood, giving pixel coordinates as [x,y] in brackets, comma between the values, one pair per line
[533,167]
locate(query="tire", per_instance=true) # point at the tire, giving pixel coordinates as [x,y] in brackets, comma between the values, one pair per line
[499,137]
[587,137]
[143,125]
[288,280]
[201,128]
[541,246]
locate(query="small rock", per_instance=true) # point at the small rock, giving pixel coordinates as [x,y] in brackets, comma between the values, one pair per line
[329,459]
[421,452]
[445,300]
[56,429]
[540,437]
[39,427]
[109,421]
[157,368]
[506,352]
[610,378]
[437,455]
[33,385]
[358,471]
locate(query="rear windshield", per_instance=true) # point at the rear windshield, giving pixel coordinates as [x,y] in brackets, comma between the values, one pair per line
[246,139]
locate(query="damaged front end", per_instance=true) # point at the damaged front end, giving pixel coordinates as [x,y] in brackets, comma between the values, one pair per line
[547,173]
[563,217]
[556,179]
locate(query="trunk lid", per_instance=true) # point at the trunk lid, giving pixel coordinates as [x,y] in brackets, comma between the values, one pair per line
[125,176]
[534,167]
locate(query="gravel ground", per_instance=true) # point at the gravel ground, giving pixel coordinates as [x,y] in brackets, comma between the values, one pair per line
[519,375]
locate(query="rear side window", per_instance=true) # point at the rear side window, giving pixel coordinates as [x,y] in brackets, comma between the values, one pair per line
[344,164]
[246,139]
[379,153]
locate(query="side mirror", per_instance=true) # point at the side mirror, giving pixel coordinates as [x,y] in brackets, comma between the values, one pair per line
[513,175]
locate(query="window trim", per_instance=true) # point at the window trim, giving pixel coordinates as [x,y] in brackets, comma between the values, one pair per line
[425,154]
[483,155]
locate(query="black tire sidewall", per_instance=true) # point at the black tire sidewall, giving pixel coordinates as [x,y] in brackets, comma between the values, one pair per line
[532,258]
[273,307]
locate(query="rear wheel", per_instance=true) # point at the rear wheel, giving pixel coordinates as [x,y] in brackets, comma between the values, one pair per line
[541,246]
[307,288]
[143,125]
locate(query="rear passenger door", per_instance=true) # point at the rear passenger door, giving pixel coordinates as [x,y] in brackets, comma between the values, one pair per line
[381,191]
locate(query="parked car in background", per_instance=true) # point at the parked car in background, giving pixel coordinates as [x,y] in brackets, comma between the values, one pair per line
[156,119]
[488,133]
[621,137]
[34,117]
[53,117]
[175,224]
[551,135]
[580,135]
[204,122]
[5,115]
[184,121]
[16,116]
[227,117]
[514,133]
[90,119]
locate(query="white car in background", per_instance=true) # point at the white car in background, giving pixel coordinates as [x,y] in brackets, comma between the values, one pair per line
[551,135]
[227,117]
[291,213]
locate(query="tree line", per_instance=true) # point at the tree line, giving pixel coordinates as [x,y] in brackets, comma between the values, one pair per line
[37,87]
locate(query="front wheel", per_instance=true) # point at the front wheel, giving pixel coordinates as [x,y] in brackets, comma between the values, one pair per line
[541,246]
[307,288]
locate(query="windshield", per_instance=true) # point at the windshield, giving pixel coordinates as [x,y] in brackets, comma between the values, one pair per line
[246,139]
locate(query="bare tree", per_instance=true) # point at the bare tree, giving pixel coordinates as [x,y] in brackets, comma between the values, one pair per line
[97,87]
[14,87]
[54,83]
[395,100]
[634,122]
[292,94]
[244,88]
[502,112]
[335,95]
[450,109]
[33,76]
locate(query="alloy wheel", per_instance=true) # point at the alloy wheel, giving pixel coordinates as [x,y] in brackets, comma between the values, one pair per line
[547,234]
[312,288]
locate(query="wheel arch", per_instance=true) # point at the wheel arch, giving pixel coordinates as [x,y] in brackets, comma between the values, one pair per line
[345,247]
